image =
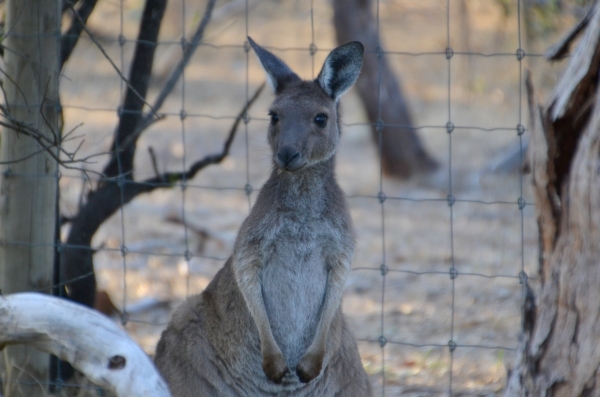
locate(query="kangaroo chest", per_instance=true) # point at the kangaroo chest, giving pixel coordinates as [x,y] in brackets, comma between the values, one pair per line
[294,280]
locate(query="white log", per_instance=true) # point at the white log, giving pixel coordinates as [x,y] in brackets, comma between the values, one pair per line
[88,340]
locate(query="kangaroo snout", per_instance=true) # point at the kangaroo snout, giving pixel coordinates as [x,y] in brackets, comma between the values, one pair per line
[288,158]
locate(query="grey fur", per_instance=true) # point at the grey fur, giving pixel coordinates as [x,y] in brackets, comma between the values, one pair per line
[278,73]
[270,322]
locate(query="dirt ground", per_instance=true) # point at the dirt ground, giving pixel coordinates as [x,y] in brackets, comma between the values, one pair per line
[417,307]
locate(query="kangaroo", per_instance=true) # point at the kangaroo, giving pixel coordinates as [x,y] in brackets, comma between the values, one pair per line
[270,322]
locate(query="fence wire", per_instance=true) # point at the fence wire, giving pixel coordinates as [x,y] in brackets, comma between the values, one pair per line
[387,335]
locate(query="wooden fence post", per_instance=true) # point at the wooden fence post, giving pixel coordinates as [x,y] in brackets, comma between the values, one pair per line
[28,173]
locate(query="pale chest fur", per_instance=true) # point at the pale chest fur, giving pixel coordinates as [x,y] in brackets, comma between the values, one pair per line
[295,258]
[296,240]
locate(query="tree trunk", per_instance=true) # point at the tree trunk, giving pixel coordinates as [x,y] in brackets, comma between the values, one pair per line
[401,150]
[28,183]
[558,354]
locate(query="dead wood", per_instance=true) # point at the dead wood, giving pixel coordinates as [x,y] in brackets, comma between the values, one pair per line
[90,341]
[558,354]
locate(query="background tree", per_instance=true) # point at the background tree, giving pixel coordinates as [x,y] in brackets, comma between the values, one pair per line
[401,150]
[118,186]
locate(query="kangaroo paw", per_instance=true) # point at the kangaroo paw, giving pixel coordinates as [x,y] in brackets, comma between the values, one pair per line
[309,367]
[275,367]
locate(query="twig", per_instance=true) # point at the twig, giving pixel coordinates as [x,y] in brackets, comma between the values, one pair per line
[66,138]
[46,144]
[153,112]
[175,74]
[42,150]
[153,160]
[106,200]
[16,86]
[70,38]
[131,139]
[216,158]
[560,49]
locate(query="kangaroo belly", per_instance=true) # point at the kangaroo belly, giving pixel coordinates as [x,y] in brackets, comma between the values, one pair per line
[294,281]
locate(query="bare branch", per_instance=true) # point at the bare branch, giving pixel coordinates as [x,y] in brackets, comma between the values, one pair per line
[153,160]
[70,38]
[561,49]
[42,150]
[149,119]
[47,145]
[132,108]
[108,58]
[173,177]
[188,52]
[14,84]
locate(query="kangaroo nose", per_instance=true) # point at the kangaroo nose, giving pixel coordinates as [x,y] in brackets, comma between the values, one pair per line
[287,154]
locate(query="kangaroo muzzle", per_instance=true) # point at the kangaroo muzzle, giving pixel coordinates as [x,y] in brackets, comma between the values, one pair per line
[288,158]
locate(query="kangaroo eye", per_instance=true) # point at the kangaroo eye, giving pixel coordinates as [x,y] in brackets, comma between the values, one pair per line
[274,118]
[321,120]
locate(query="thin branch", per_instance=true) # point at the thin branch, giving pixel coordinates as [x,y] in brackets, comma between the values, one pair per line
[42,150]
[561,49]
[112,194]
[125,80]
[66,138]
[47,146]
[70,38]
[65,5]
[16,86]
[46,121]
[77,149]
[25,129]
[173,177]
[150,118]
[140,69]
[176,73]
[153,160]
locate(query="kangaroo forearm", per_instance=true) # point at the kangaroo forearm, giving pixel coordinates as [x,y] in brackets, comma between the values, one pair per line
[248,280]
[333,296]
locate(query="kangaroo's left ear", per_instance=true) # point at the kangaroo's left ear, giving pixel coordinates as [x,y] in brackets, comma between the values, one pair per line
[278,73]
[341,69]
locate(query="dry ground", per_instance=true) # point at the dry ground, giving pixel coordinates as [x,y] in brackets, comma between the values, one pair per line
[417,306]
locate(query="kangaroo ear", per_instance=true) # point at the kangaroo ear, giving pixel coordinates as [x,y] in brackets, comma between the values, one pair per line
[341,69]
[278,73]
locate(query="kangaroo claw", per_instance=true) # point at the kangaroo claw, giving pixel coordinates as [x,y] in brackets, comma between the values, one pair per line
[275,367]
[309,367]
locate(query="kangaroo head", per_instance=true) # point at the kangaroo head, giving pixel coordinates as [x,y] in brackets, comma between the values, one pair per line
[304,128]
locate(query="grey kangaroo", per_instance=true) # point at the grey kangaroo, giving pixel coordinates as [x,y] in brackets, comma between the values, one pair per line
[270,323]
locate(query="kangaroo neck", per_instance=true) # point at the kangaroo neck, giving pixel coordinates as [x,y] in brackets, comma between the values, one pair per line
[304,189]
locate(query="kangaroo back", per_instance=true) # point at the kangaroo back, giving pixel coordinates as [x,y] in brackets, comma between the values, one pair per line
[270,322]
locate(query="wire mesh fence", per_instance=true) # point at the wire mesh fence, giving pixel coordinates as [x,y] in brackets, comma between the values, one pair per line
[434,296]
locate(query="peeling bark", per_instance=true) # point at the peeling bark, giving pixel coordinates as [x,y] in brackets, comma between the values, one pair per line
[558,354]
